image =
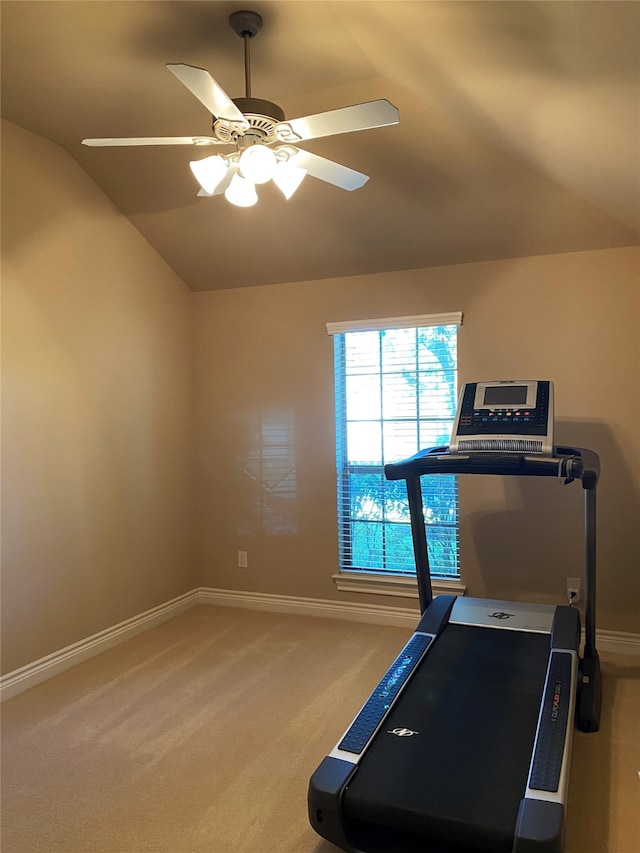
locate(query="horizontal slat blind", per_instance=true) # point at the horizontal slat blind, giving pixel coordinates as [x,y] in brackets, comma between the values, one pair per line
[395,395]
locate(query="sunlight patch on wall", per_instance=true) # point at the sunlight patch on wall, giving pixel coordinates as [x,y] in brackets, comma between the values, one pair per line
[266,460]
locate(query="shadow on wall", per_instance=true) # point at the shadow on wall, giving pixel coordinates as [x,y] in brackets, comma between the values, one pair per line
[528,550]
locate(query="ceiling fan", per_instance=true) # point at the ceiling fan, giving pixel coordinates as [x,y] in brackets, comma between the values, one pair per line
[264,142]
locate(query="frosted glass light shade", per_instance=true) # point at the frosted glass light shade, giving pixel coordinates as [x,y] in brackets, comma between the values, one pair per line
[288,178]
[241,192]
[258,164]
[209,172]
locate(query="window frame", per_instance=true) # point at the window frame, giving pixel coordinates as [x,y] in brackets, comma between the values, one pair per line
[386,581]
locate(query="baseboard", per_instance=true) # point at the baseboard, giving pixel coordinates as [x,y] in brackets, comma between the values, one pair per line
[377,614]
[617,642]
[40,670]
[13,683]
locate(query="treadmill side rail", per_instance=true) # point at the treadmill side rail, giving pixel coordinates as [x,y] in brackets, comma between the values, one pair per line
[549,772]
[540,827]
[325,792]
[566,628]
[364,727]
[336,771]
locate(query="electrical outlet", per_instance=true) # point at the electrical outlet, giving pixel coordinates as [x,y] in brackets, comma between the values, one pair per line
[242,560]
[574,588]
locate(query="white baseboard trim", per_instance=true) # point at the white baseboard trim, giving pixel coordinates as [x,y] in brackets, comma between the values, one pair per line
[13,683]
[617,642]
[40,670]
[377,614]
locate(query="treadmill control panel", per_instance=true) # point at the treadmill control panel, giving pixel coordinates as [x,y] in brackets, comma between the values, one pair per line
[504,416]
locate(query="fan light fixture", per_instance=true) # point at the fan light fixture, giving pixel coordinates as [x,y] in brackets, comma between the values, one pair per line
[288,178]
[258,164]
[209,172]
[241,192]
[238,175]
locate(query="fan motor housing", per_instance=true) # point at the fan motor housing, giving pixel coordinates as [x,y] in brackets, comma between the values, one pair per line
[257,106]
[263,118]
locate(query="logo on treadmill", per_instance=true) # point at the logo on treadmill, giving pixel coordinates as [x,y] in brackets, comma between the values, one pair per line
[402,732]
[500,614]
[555,703]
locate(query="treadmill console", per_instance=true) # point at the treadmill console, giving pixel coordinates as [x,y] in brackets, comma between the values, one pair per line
[510,416]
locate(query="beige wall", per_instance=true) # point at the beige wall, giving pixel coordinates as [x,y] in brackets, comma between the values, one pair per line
[96,410]
[106,358]
[264,392]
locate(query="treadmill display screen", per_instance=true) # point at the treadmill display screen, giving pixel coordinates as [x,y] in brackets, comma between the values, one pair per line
[506,416]
[505,395]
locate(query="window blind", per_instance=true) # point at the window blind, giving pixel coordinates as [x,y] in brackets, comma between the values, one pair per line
[395,392]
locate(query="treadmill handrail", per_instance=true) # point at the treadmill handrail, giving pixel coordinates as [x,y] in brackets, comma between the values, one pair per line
[568,463]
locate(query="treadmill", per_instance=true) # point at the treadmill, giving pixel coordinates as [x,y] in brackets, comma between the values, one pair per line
[465,744]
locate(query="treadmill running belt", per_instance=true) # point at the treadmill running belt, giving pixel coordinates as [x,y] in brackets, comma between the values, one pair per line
[451,760]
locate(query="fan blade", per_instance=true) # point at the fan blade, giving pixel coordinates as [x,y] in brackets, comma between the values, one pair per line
[224,183]
[201,84]
[328,170]
[153,140]
[359,117]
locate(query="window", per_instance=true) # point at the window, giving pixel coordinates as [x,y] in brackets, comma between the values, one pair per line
[395,394]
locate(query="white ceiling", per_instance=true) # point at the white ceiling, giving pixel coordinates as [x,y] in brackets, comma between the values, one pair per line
[519,126]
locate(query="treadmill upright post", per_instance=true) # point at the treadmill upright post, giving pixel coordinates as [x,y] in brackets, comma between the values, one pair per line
[590,686]
[419,536]
[590,571]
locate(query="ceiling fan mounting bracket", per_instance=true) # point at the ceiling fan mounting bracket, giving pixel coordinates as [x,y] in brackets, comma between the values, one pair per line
[246,23]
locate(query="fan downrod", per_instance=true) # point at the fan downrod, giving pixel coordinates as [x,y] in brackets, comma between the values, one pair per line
[263,114]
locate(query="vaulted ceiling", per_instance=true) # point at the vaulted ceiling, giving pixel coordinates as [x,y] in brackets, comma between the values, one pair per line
[519,127]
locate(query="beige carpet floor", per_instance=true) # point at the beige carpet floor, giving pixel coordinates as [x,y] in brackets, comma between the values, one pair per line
[201,735]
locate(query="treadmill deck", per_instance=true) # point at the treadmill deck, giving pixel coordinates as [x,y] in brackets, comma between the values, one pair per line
[451,762]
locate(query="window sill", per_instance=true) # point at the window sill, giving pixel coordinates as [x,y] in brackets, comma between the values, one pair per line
[402,587]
